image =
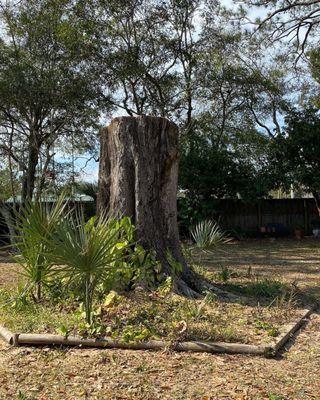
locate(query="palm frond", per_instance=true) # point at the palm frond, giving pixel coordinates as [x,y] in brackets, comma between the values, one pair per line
[208,234]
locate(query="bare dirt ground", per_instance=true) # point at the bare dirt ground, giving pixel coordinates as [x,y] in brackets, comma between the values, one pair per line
[44,374]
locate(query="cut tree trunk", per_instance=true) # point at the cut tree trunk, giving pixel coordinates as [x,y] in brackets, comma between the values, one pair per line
[138,177]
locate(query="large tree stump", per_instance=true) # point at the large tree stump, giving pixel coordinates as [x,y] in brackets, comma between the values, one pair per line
[138,177]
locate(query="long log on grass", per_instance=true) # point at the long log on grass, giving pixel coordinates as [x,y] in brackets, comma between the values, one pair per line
[192,346]
[195,346]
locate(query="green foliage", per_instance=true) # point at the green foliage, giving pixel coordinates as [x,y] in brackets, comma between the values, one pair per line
[34,223]
[135,334]
[191,210]
[175,266]
[314,63]
[47,90]
[207,234]
[266,287]
[209,171]
[91,253]
[301,146]
[147,270]
[95,327]
[23,396]
[6,183]
[194,310]
[225,274]
[19,312]
[268,327]
[78,259]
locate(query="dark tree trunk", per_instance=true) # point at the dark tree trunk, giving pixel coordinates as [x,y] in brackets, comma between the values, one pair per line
[29,177]
[138,177]
[316,196]
[8,219]
[104,174]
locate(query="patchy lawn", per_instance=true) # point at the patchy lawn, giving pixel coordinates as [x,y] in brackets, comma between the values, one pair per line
[264,305]
[292,261]
[45,374]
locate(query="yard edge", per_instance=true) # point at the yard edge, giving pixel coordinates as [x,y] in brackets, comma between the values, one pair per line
[9,337]
[291,329]
[267,350]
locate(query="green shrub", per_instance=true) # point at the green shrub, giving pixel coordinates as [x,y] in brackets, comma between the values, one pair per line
[91,254]
[76,259]
[34,223]
[208,233]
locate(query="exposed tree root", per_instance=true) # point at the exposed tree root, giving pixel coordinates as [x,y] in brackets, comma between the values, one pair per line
[197,286]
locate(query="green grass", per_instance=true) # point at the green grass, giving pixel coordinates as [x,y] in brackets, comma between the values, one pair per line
[24,315]
[139,316]
[160,315]
[266,287]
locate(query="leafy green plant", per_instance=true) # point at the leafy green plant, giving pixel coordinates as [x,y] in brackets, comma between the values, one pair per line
[165,287]
[225,274]
[147,270]
[197,310]
[268,327]
[208,234]
[95,327]
[34,223]
[175,266]
[133,334]
[90,253]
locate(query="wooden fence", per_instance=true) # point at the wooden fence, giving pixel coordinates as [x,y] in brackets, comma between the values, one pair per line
[249,217]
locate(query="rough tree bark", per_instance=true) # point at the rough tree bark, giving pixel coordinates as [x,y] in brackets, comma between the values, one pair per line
[138,177]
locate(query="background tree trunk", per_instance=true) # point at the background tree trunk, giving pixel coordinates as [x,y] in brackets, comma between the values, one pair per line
[138,177]
[316,196]
[8,219]
[104,174]
[29,177]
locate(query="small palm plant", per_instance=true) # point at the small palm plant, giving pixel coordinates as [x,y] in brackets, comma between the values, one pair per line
[89,253]
[208,234]
[34,223]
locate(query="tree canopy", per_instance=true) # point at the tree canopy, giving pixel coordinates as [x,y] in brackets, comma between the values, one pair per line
[67,66]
